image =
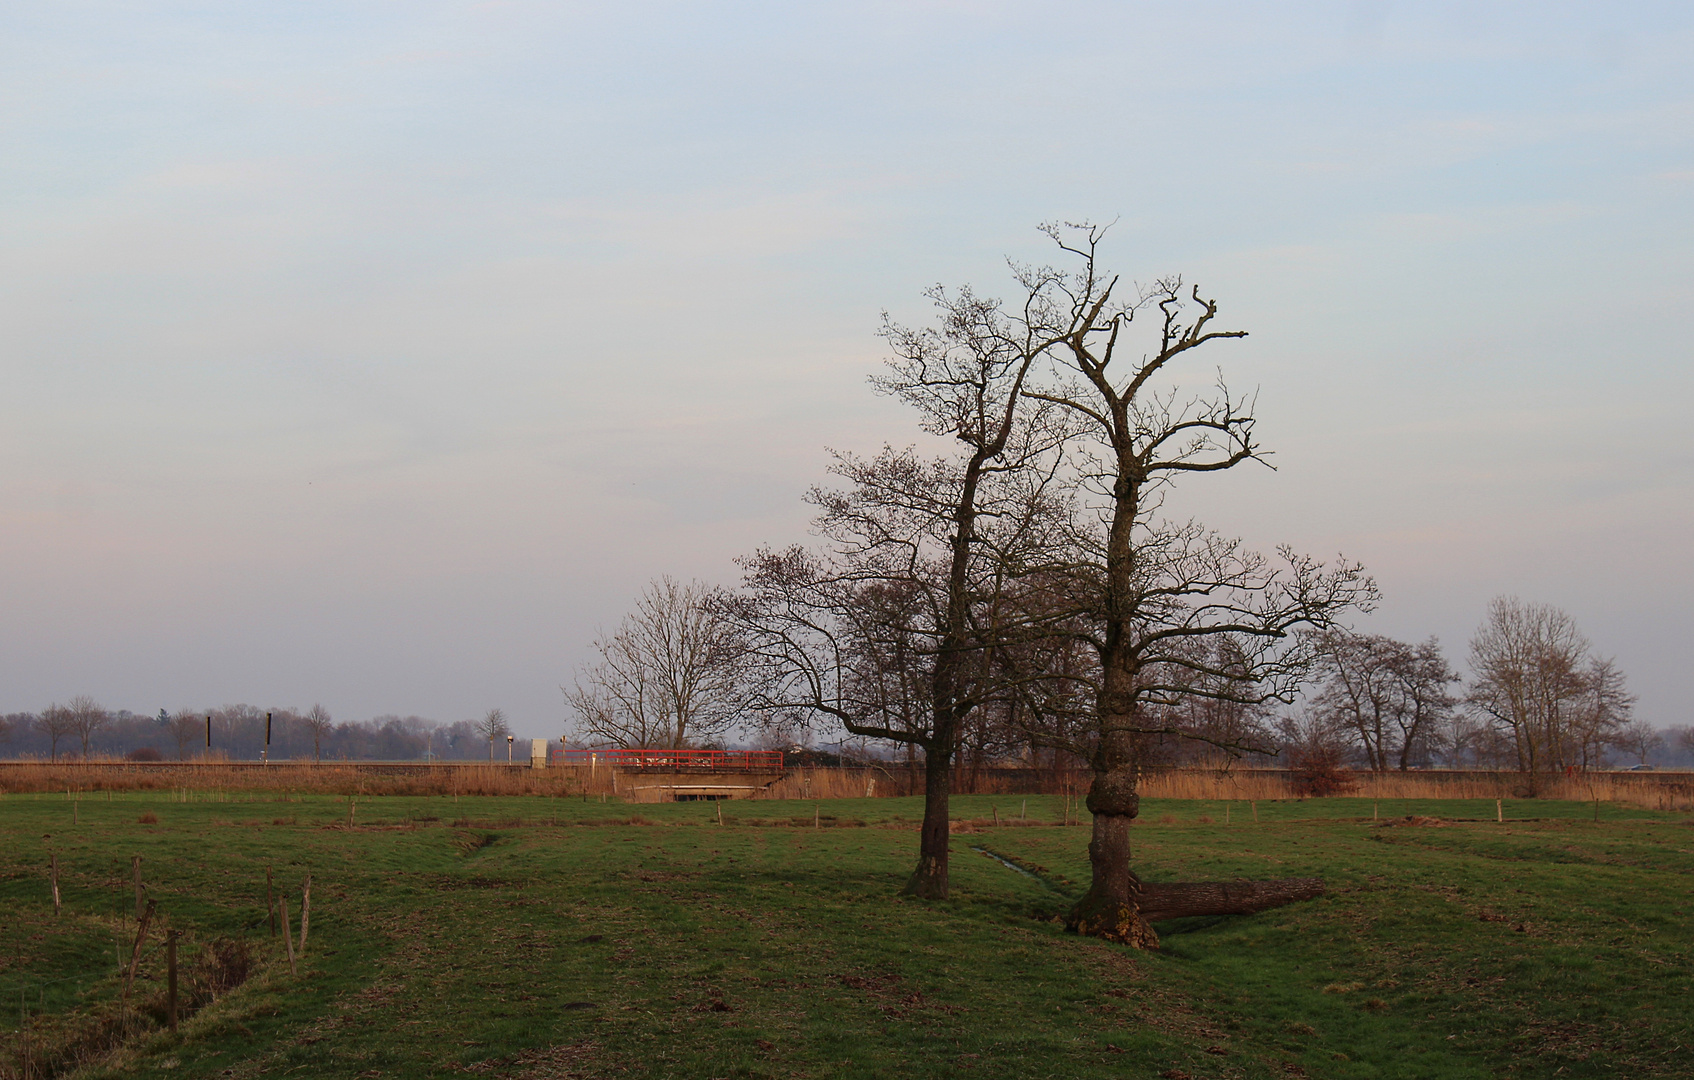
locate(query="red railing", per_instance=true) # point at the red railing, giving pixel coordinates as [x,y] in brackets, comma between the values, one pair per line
[727,760]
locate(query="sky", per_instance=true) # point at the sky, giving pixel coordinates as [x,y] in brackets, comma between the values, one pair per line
[377,354]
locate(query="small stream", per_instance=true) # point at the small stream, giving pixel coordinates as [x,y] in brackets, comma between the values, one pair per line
[1010,865]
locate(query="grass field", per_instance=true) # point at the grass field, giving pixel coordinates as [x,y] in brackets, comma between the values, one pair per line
[557,938]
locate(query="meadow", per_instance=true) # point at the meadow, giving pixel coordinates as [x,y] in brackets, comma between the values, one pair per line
[569,937]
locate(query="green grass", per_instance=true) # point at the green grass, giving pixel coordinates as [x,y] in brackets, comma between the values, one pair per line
[532,937]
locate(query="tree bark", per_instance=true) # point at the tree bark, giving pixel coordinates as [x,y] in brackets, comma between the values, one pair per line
[1159,900]
[1108,910]
[929,880]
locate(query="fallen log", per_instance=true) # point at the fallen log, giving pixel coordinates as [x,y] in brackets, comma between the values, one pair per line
[1176,900]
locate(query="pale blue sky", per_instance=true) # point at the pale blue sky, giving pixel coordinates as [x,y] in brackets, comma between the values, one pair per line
[374,354]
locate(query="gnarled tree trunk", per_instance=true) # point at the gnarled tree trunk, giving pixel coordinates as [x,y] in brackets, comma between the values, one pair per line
[1109,909]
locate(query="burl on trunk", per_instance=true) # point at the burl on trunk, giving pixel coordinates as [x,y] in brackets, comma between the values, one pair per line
[1120,907]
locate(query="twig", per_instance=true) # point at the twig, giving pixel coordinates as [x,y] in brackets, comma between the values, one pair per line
[135,955]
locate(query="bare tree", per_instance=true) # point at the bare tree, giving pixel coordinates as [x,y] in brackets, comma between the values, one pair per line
[1536,680]
[1147,587]
[1639,739]
[55,722]
[1681,740]
[319,723]
[87,719]
[185,728]
[493,726]
[890,629]
[666,676]
[1391,695]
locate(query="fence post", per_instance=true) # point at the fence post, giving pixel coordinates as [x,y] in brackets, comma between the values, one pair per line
[170,979]
[287,937]
[305,913]
[53,873]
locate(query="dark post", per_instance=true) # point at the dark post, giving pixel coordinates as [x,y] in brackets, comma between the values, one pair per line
[170,979]
[267,738]
[208,732]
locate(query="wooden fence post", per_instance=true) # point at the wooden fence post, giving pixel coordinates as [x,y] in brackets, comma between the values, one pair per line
[287,937]
[53,873]
[305,912]
[170,979]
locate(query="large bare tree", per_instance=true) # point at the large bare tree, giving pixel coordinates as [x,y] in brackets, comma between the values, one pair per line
[493,726]
[186,727]
[665,677]
[87,719]
[1391,696]
[890,629]
[56,722]
[318,721]
[1537,680]
[1150,588]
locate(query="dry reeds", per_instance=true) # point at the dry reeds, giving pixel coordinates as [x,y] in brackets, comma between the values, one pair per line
[242,781]
[234,781]
[1653,791]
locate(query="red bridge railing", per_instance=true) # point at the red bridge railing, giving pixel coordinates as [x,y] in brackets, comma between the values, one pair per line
[726,760]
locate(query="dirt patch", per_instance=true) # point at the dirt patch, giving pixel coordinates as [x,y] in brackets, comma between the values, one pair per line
[569,1061]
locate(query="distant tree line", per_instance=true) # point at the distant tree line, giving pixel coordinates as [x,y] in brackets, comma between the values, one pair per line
[82,728]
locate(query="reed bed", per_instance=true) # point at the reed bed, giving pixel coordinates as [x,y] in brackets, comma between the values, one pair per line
[1652,791]
[238,780]
[307,778]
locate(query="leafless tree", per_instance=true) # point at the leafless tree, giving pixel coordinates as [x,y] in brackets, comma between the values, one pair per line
[1536,679]
[185,727]
[1150,588]
[1391,695]
[1682,740]
[1639,739]
[55,722]
[319,723]
[890,629]
[665,677]
[493,726]
[87,718]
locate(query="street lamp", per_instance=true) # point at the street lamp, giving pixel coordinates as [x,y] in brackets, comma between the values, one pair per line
[508,749]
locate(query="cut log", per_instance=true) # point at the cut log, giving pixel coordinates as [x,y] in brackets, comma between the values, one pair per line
[1176,900]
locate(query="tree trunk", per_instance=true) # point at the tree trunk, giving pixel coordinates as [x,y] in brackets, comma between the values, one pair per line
[1108,910]
[929,880]
[1159,901]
